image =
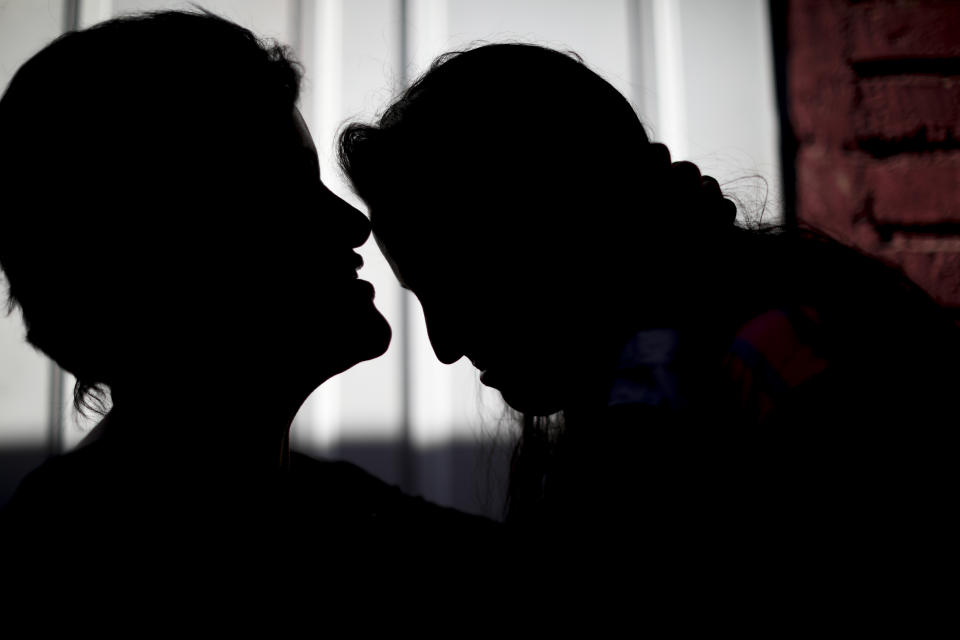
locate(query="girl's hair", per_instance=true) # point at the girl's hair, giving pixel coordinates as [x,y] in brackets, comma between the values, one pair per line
[115,129]
[511,122]
[468,96]
[538,129]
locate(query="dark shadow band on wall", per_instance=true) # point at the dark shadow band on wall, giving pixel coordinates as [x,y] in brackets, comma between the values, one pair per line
[469,476]
[788,141]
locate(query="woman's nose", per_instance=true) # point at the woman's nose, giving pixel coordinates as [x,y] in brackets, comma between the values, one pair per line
[358,226]
[349,223]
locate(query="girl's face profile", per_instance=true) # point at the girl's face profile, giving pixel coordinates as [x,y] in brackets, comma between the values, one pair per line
[480,301]
[502,186]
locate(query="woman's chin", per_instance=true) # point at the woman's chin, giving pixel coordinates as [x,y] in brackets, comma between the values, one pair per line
[365,340]
[332,350]
[378,340]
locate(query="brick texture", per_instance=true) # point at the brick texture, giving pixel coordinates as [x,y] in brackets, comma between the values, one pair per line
[938,271]
[874,102]
[823,95]
[921,109]
[921,190]
[894,31]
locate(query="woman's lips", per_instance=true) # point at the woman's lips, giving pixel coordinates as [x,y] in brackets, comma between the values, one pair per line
[365,286]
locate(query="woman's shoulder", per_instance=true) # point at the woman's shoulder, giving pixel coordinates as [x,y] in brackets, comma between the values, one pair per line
[343,492]
[63,492]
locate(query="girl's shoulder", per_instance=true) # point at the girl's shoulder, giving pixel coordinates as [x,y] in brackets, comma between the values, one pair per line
[771,355]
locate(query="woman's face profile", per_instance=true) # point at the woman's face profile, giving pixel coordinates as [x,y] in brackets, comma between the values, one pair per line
[189,237]
[327,310]
[275,289]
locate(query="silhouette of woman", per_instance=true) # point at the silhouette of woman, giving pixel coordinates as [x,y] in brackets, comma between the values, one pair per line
[167,237]
[719,397]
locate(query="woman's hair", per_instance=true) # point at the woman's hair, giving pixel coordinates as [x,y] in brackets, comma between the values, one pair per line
[115,143]
[509,128]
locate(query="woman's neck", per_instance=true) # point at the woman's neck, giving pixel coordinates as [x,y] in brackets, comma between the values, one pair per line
[210,435]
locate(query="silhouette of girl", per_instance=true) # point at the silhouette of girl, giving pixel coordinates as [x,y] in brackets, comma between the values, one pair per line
[719,396]
[167,237]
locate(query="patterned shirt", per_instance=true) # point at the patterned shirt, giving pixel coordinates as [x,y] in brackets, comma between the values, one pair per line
[771,354]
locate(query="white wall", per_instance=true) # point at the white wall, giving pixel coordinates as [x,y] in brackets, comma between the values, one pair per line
[730,112]
[704,85]
[25,27]
[350,51]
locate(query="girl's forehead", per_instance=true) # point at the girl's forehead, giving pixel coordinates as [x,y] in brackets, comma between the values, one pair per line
[302,130]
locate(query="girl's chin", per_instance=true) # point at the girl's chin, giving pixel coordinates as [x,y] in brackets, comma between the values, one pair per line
[537,402]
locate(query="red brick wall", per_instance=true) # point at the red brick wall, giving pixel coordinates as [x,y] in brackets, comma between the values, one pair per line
[873,92]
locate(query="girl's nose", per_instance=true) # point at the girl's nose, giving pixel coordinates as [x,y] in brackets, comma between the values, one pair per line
[442,336]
